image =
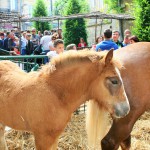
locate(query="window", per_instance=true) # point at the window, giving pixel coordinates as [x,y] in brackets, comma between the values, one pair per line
[14,5]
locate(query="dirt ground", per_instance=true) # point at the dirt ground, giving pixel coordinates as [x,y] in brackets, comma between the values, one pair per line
[75,138]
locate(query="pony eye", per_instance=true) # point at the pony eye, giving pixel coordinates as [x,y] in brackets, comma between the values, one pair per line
[114,82]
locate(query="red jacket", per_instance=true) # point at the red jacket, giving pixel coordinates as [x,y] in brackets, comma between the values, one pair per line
[79,45]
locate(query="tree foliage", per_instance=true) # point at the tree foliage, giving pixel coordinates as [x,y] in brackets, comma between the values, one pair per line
[40,10]
[113,6]
[60,6]
[74,29]
[141,26]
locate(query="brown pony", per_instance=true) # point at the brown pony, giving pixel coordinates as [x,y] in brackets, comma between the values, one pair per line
[42,102]
[136,78]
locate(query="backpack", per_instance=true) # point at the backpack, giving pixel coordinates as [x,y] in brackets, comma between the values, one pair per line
[38,50]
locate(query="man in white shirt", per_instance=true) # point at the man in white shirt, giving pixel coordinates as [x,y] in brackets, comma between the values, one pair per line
[45,41]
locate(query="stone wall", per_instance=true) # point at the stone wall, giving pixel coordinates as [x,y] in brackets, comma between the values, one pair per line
[112,24]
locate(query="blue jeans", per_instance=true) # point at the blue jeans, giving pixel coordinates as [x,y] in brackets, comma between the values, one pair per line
[46,60]
[23,51]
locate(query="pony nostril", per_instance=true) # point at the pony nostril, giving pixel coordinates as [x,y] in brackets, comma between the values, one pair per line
[121,109]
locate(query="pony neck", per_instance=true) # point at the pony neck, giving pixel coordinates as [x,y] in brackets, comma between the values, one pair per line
[72,83]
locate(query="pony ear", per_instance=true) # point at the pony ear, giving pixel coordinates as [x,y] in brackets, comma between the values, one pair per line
[109,56]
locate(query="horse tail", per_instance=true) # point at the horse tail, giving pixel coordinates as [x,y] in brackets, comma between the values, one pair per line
[96,124]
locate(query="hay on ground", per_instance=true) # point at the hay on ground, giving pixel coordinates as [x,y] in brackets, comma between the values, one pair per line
[75,138]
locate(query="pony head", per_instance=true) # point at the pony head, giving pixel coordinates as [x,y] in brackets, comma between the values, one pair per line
[110,89]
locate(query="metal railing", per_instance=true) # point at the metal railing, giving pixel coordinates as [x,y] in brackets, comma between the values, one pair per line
[82,109]
[4,52]
[26,62]
[32,63]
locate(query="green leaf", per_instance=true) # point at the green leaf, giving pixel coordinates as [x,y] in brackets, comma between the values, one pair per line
[73,29]
[38,11]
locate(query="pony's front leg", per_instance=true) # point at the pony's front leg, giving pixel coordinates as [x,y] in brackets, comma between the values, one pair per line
[44,142]
[3,145]
[54,147]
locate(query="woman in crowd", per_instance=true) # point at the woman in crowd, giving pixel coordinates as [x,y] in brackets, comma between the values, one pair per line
[99,39]
[82,43]
[51,43]
[16,41]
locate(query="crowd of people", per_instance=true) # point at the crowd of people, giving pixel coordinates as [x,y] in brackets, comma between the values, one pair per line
[110,40]
[50,43]
[30,40]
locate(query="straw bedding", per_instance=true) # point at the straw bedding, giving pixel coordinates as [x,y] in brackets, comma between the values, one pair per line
[75,138]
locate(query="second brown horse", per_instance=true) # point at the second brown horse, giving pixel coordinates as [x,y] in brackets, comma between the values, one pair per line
[136,78]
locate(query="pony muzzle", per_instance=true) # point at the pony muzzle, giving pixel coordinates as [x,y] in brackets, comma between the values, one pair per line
[121,109]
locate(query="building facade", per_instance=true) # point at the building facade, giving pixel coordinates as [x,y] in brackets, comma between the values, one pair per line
[23,7]
[99,5]
[96,5]
[16,5]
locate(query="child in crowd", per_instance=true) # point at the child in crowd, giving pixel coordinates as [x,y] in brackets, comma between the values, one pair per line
[82,43]
[71,47]
[134,39]
[59,48]
[15,51]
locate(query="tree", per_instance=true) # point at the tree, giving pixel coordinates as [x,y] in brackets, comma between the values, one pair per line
[114,6]
[60,6]
[141,26]
[74,29]
[40,10]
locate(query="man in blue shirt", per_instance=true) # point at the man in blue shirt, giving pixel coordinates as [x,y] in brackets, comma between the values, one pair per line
[107,44]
